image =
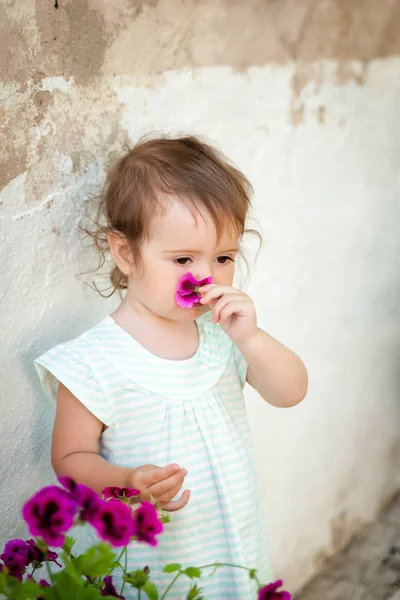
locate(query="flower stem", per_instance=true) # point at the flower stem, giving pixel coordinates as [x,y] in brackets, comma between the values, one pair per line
[217,565]
[139,593]
[118,560]
[125,550]
[170,585]
[51,577]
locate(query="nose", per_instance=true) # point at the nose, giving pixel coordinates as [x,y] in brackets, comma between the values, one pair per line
[201,274]
[203,269]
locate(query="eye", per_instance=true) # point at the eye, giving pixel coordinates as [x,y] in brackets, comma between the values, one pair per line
[223,260]
[182,260]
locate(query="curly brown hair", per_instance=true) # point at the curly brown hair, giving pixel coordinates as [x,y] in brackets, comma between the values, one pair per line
[184,167]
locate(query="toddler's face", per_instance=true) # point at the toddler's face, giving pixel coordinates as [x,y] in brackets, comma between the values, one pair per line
[182,242]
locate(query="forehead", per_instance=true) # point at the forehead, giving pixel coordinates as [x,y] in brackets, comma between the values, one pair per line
[179,226]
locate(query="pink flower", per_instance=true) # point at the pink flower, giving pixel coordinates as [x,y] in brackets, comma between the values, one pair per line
[187,292]
[147,523]
[119,493]
[49,514]
[270,592]
[114,523]
[109,589]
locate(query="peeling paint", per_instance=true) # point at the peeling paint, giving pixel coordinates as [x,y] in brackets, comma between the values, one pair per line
[303,96]
[12,196]
[57,83]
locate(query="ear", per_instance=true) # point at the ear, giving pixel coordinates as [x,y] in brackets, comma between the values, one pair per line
[121,252]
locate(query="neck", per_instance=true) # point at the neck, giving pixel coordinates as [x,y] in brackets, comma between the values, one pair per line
[131,312]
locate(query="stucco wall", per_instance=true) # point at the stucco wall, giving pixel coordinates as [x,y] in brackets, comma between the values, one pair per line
[304,96]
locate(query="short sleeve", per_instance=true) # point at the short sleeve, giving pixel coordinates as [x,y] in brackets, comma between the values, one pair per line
[65,364]
[241,365]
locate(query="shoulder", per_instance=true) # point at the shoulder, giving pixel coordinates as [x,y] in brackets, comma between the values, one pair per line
[77,359]
[79,348]
[77,365]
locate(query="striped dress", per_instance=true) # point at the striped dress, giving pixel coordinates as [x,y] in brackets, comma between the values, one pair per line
[191,412]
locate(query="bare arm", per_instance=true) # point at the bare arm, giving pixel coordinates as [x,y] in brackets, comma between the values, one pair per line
[277,373]
[75,452]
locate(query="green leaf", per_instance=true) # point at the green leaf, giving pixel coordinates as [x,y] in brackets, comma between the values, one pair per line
[26,590]
[96,561]
[68,545]
[194,593]
[171,568]
[3,578]
[192,572]
[49,594]
[71,570]
[137,579]
[88,593]
[66,583]
[150,590]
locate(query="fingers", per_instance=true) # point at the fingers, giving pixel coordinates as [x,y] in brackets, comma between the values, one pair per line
[212,292]
[168,496]
[148,475]
[162,473]
[168,488]
[175,505]
[227,306]
[162,484]
[151,475]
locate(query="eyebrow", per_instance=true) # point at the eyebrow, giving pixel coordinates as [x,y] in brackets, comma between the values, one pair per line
[178,251]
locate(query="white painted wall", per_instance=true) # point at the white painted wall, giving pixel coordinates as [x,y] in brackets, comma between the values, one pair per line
[327,283]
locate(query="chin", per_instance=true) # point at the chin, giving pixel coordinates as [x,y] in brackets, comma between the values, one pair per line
[195,311]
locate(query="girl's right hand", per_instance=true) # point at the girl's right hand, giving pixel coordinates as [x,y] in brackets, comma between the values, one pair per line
[161,483]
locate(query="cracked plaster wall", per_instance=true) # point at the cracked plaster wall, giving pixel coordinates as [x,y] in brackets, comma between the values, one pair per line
[304,96]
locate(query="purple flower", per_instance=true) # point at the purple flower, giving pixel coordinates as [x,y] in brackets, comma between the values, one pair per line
[187,291]
[49,514]
[68,483]
[147,523]
[16,556]
[37,555]
[270,592]
[109,589]
[88,501]
[114,523]
[119,493]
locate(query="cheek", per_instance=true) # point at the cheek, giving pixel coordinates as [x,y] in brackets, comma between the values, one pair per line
[225,275]
[163,281]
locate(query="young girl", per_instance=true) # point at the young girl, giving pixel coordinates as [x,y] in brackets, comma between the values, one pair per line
[152,396]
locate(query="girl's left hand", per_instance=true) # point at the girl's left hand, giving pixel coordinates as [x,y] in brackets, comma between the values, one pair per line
[232,309]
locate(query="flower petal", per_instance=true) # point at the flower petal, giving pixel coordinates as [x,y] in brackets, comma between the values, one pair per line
[49,514]
[147,523]
[114,523]
[186,294]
